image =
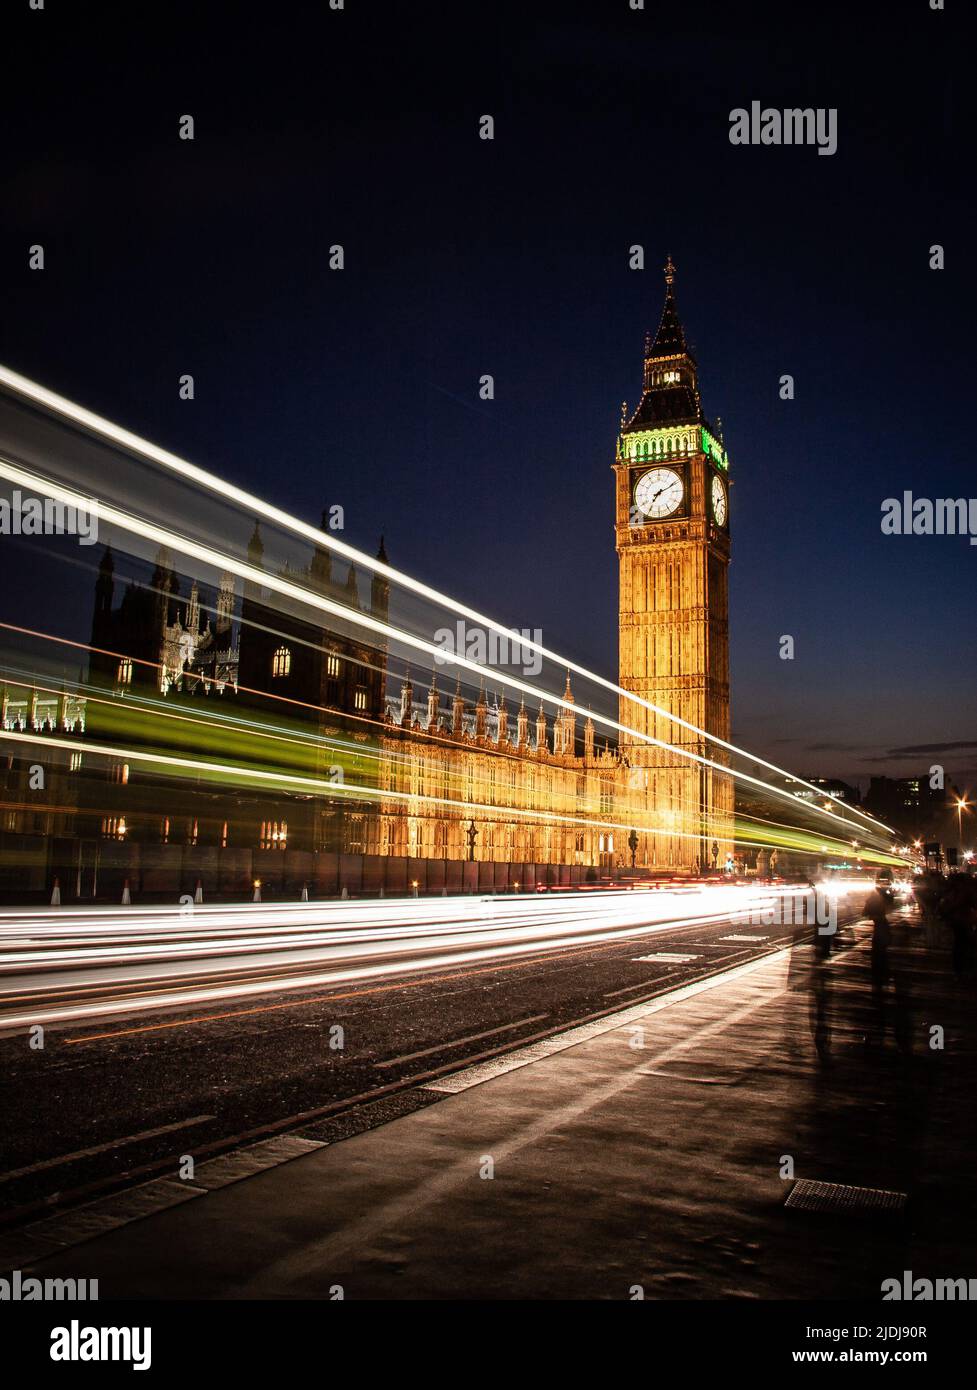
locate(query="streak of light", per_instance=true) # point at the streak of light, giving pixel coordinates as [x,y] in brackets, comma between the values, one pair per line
[259,577]
[360,944]
[226,773]
[59,405]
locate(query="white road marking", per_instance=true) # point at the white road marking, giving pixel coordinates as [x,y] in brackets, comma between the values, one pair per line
[675,956]
[103,1148]
[458,1042]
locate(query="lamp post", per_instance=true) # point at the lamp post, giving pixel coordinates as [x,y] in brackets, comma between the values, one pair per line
[962,805]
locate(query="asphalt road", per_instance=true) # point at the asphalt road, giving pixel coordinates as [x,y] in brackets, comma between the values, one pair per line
[111,1101]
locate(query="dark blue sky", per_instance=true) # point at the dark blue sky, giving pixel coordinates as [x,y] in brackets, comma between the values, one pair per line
[466,257]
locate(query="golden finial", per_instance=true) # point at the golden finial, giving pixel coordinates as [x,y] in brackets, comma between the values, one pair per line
[669,271]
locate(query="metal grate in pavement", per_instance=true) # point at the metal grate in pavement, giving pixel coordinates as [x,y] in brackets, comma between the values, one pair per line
[839,1198]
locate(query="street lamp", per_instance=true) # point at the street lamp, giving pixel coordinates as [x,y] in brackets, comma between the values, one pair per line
[962,805]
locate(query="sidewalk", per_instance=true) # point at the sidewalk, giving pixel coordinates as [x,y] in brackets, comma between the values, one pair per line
[614,1166]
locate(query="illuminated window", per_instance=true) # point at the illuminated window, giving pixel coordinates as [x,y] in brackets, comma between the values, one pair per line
[164,830]
[74,762]
[192,831]
[359,698]
[332,664]
[274,834]
[281,662]
[124,674]
[224,836]
[120,772]
[114,827]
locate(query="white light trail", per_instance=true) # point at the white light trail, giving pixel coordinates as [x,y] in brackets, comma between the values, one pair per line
[87,964]
[252,574]
[59,405]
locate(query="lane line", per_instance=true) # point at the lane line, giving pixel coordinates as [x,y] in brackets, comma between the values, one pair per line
[103,1148]
[459,1042]
[630,989]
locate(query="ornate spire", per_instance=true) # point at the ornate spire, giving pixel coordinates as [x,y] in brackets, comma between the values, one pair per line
[502,735]
[670,394]
[670,338]
[406,697]
[458,710]
[433,701]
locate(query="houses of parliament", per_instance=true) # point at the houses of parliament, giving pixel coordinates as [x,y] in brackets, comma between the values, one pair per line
[401,763]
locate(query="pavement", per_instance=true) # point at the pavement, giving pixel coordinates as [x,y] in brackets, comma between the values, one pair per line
[650,1154]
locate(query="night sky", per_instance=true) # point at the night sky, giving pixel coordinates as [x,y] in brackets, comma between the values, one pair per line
[510,257]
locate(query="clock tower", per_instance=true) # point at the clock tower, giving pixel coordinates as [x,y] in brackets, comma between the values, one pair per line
[672,529]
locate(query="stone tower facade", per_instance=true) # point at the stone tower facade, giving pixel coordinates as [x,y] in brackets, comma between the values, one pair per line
[672,531]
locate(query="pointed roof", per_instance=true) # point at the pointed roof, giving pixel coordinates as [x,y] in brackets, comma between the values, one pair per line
[670,338]
[382,552]
[671,393]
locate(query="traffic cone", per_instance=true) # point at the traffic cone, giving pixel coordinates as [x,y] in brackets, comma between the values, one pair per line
[126,896]
[198,892]
[56,894]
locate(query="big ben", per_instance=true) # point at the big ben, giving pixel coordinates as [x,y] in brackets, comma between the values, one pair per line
[672,532]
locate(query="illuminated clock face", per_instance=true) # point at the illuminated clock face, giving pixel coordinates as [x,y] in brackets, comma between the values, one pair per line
[719,501]
[659,492]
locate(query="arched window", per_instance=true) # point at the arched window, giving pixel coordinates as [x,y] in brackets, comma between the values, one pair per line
[281,662]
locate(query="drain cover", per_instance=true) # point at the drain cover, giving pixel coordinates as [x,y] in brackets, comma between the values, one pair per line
[806,1195]
[668,955]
